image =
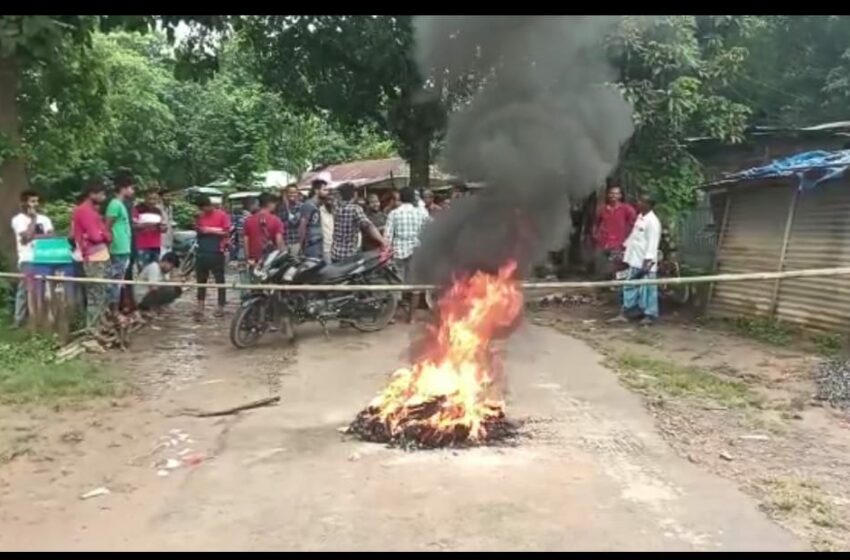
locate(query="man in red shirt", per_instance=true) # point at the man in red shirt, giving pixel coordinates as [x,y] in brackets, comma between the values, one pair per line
[614,222]
[148,226]
[263,231]
[213,226]
[91,248]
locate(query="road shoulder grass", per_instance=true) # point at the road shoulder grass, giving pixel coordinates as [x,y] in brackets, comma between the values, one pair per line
[29,371]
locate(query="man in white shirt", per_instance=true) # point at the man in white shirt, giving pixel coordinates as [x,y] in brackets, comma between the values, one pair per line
[28,225]
[641,255]
[154,298]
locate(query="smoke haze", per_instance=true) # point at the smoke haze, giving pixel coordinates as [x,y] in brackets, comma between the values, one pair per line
[543,130]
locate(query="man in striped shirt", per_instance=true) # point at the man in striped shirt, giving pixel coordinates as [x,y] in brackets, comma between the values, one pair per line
[404,227]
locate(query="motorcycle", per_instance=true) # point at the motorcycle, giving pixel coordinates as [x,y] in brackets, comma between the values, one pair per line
[185,245]
[264,310]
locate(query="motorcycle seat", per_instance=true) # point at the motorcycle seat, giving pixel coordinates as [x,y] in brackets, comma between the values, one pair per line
[335,271]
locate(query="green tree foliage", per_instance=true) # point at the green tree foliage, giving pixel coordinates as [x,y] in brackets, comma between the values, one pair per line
[122,106]
[796,71]
[675,71]
[242,95]
[357,69]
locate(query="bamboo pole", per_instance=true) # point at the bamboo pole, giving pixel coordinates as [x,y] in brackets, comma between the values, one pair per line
[580,285]
[721,237]
[783,251]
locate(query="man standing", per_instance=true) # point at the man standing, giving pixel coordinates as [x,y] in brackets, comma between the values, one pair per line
[91,240]
[118,221]
[310,227]
[237,218]
[167,211]
[27,225]
[213,226]
[290,214]
[641,256]
[349,221]
[404,227]
[378,219]
[263,231]
[614,221]
[430,203]
[328,220]
[149,227]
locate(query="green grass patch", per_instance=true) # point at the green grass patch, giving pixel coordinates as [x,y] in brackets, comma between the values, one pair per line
[827,344]
[765,330]
[655,376]
[645,337]
[788,497]
[29,372]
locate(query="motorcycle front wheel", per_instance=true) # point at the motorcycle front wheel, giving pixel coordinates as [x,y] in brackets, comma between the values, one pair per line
[388,302]
[249,324]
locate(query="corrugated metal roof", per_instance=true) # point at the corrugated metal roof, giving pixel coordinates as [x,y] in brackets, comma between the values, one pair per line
[840,128]
[365,172]
[807,173]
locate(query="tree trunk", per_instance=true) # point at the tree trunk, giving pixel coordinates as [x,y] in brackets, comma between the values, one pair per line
[420,162]
[13,174]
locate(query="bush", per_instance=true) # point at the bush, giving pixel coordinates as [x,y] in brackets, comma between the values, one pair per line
[59,212]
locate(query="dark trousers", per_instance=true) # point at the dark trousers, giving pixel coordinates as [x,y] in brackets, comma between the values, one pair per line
[206,264]
[160,297]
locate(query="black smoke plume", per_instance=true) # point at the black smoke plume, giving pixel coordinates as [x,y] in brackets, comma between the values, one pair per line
[544,128]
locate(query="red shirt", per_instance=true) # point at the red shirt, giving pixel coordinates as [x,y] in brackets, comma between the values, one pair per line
[88,229]
[218,219]
[613,226]
[149,236]
[256,237]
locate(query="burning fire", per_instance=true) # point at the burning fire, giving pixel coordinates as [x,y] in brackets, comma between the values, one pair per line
[452,394]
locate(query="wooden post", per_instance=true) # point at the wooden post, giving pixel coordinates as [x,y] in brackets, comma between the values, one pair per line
[721,236]
[789,222]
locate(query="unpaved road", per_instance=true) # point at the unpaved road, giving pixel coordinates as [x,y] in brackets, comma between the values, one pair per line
[593,475]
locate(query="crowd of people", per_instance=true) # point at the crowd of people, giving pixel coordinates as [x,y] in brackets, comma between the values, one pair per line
[334,225]
[113,237]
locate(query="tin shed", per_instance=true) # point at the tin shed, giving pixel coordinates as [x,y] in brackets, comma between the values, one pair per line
[792,214]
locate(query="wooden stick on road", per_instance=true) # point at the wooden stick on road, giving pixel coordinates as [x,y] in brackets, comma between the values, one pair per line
[227,411]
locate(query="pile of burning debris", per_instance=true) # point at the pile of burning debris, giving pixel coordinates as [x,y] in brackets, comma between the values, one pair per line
[452,395]
[833,382]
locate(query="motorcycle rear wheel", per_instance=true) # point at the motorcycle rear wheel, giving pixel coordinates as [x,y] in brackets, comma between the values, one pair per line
[383,317]
[248,325]
[187,267]
[679,294]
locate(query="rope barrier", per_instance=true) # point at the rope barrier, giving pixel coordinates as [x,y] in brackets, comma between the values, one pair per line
[529,286]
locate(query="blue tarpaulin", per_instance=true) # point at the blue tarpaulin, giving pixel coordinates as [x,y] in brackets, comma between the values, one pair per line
[811,168]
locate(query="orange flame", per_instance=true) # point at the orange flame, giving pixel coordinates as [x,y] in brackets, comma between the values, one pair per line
[459,370]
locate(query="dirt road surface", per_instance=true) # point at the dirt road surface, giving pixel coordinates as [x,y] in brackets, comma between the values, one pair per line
[592,474]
